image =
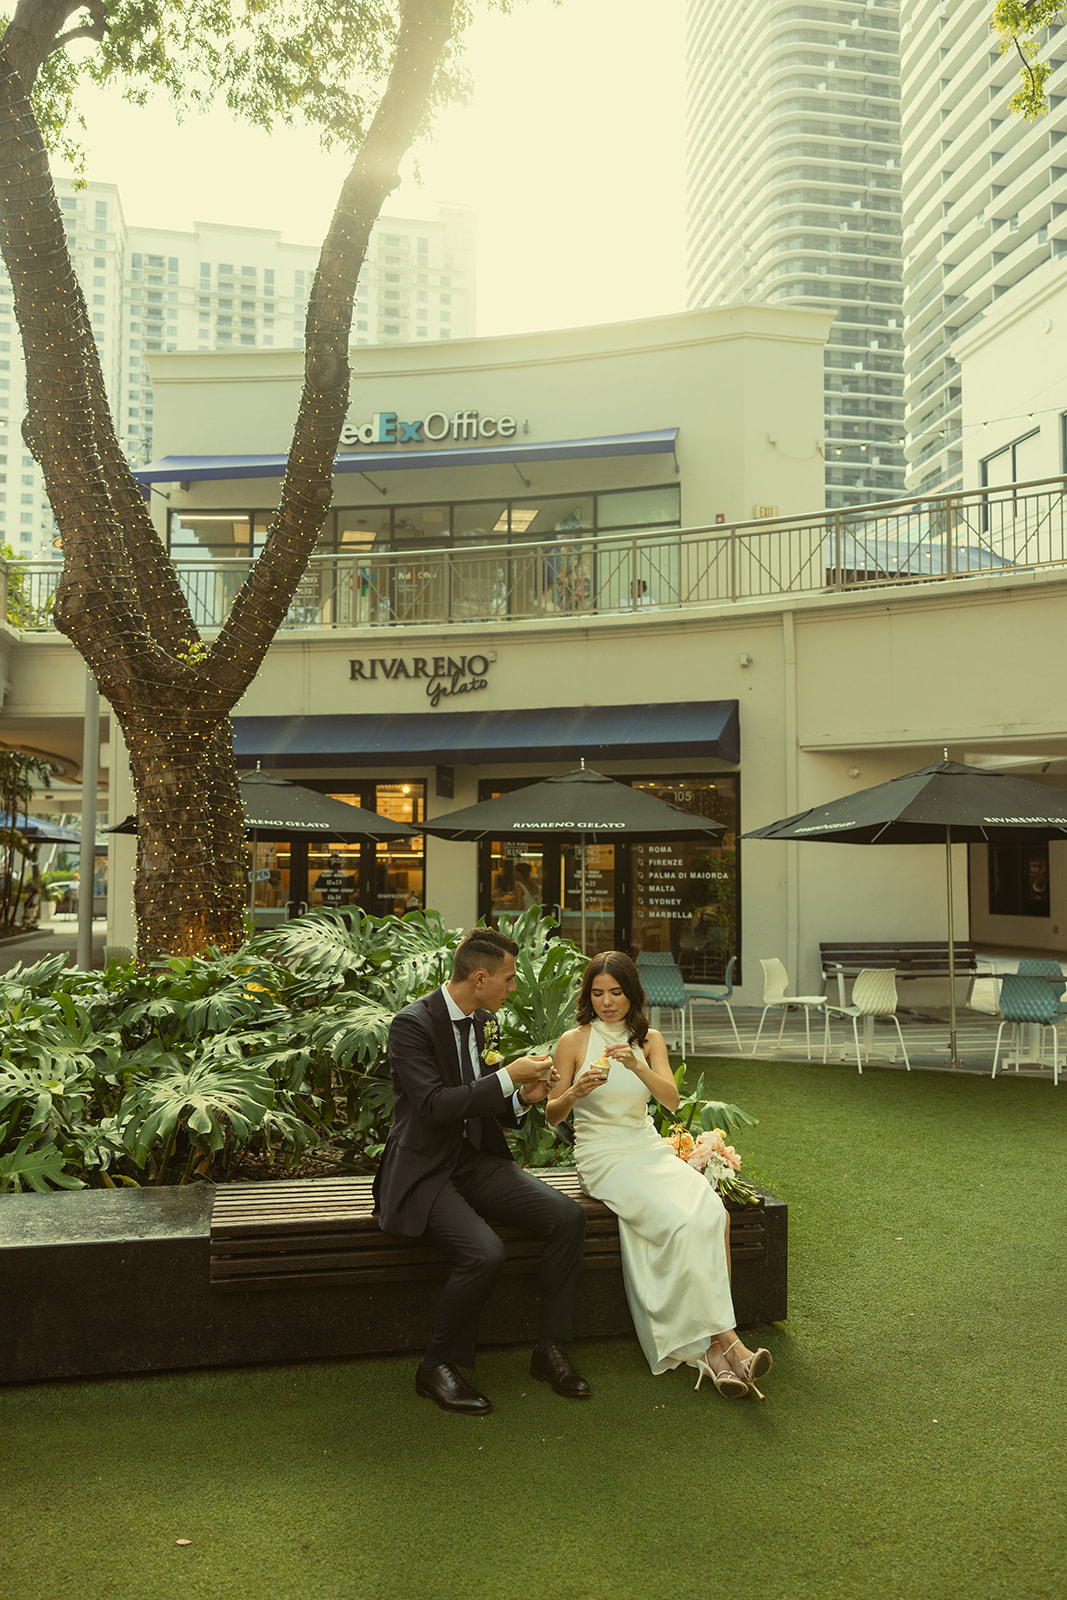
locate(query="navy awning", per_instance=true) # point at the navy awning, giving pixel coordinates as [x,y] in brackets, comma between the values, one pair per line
[687,728]
[199,469]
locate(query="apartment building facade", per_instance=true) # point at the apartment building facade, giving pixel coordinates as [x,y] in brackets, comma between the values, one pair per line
[984,198]
[215,287]
[794,198]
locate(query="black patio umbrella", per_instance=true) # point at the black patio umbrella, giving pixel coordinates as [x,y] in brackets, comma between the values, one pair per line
[274,808]
[582,805]
[946,803]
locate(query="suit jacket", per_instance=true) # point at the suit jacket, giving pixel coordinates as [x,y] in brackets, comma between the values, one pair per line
[431,1107]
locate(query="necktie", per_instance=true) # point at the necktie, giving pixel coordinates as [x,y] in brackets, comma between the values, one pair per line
[466,1068]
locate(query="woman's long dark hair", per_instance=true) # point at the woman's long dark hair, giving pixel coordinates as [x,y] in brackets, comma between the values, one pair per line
[622,969]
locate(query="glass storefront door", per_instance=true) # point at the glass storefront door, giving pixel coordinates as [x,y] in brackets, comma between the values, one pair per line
[685,896]
[600,879]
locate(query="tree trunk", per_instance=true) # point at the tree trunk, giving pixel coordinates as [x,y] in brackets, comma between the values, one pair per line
[190,887]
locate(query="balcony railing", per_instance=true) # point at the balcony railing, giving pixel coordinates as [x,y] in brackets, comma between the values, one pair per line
[936,538]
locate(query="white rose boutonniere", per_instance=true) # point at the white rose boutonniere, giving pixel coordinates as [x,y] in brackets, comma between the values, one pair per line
[490,1051]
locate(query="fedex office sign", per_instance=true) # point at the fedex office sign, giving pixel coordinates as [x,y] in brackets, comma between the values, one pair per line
[386,427]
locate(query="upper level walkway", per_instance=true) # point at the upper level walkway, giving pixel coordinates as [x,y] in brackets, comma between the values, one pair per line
[935,539]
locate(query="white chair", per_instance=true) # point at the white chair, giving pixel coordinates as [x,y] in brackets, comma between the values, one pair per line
[874,994]
[699,992]
[775,985]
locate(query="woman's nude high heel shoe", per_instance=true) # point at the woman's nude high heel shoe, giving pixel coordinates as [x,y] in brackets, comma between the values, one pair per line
[755,1366]
[725,1380]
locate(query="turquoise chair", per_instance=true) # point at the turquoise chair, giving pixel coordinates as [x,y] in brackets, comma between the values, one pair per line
[662,981]
[1027,1000]
[701,992]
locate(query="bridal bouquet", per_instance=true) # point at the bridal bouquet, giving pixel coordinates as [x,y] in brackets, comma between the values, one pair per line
[718,1161]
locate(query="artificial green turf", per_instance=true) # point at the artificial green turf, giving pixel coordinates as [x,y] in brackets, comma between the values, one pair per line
[911,1444]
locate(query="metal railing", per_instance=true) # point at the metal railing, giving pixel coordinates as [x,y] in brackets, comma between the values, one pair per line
[938,538]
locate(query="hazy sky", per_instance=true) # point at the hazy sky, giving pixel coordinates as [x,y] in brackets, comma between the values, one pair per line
[571,150]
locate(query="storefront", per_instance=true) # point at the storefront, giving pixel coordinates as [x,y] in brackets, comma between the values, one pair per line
[547,584]
[493,597]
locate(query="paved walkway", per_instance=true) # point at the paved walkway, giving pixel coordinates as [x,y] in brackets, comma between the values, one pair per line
[59,936]
[926,1039]
[925,1031]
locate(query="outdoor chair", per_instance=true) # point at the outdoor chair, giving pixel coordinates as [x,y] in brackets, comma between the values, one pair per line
[874,994]
[1040,967]
[1027,1000]
[775,985]
[700,993]
[664,985]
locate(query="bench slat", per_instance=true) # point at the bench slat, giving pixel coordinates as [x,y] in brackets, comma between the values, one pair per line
[320,1232]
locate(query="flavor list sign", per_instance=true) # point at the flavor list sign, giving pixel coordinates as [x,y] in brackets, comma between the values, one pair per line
[661,873]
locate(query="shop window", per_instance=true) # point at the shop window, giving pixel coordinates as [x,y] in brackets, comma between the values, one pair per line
[415,525]
[209,533]
[483,522]
[1018,880]
[567,514]
[640,508]
[386,879]
[685,896]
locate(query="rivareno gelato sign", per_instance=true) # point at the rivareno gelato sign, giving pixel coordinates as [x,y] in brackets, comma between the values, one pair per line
[389,428]
[443,677]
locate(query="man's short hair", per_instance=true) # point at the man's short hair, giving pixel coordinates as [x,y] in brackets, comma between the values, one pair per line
[481,947]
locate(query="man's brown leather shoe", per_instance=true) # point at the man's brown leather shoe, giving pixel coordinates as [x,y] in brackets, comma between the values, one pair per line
[552,1366]
[451,1391]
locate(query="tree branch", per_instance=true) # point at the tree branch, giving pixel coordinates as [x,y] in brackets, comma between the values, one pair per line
[261,605]
[35,31]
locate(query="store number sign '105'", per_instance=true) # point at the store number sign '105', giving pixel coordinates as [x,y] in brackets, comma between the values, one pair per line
[386,427]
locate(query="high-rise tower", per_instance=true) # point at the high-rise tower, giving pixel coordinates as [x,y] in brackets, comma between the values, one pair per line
[984,206]
[794,196]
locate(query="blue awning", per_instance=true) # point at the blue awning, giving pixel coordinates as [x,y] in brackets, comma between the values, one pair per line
[199,469]
[687,728]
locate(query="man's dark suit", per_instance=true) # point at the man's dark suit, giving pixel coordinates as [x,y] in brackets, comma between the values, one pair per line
[435,1182]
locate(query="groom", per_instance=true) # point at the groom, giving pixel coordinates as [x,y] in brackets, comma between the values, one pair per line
[447,1172]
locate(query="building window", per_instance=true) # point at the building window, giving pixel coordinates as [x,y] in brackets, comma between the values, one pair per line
[1015,463]
[1018,880]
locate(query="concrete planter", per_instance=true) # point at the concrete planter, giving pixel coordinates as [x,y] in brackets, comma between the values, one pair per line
[102,1282]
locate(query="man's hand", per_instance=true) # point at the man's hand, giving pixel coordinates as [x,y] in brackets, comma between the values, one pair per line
[532,1092]
[530,1070]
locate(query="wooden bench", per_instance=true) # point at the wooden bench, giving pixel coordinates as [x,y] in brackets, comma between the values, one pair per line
[912,958]
[322,1233]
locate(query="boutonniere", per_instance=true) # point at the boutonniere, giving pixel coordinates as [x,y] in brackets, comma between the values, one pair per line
[490,1052]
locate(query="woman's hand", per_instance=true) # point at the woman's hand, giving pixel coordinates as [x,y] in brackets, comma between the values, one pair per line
[626,1056]
[587,1081]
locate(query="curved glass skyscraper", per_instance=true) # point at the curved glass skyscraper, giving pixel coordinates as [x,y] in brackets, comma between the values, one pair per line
[794,197]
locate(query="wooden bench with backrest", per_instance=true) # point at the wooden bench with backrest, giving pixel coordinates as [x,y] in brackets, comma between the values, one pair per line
[322,1232]
[909,958]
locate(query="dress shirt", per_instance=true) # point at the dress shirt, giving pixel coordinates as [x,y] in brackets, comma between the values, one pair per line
[506,1081]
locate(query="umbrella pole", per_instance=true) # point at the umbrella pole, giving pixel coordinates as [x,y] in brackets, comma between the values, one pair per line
[583,893]
[953,1058]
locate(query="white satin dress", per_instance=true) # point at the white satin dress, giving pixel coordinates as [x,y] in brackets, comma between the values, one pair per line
[672,1224]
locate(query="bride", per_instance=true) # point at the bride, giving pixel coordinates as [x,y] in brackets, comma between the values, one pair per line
[673,1227]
